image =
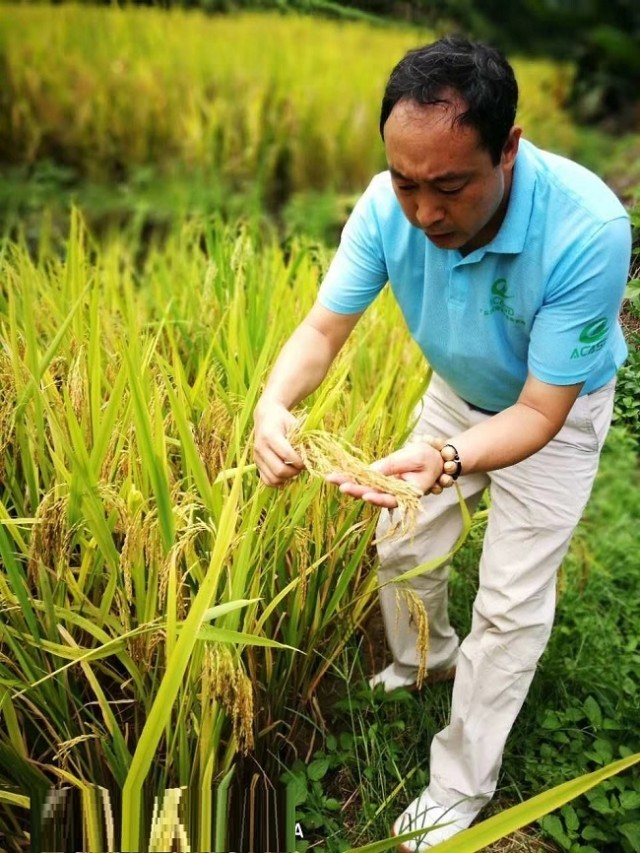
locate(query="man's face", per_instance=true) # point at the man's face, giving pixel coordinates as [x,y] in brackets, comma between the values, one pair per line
[443,178]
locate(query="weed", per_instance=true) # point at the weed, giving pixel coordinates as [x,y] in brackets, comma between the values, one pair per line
[626,410]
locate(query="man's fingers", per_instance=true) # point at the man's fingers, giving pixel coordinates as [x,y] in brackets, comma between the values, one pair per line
[364,493]
[273,470]
[276,459]
[380,499]
[400,462]
[269,481]
[354,489]
[286,455]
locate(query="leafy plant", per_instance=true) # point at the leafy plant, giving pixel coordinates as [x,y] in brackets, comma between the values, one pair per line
[627,400]
[580,714]
[155,598]
[318,813]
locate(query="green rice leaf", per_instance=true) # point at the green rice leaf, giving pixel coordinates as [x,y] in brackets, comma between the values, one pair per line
[226,635]
[15,799]
[161,709]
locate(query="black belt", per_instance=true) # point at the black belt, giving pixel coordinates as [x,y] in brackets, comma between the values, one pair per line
[479,409]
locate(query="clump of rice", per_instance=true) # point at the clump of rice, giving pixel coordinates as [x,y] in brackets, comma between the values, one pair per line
[323,454]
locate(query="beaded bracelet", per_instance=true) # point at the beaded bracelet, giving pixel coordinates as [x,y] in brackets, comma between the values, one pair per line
[452,468]
[452,463]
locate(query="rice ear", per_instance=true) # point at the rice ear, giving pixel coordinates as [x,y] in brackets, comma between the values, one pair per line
[322,454]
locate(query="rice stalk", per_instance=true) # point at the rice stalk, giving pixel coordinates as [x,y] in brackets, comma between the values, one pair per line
[8,398]
[211,436]
[51,538]
[418,615]
[160,711]
[63,749]
[301,551]
[77,384]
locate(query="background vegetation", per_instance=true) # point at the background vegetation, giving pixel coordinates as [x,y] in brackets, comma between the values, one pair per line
[164,112]
[599,36]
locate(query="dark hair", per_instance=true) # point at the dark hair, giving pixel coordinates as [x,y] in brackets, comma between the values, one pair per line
[480,74]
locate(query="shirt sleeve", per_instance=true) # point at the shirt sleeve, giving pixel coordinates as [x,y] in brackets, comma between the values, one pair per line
[358,271]
[576,331]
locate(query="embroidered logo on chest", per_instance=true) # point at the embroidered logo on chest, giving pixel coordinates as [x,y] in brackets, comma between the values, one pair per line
[499,303]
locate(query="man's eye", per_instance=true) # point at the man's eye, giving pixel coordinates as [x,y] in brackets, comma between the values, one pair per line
[451,190]
[406,188]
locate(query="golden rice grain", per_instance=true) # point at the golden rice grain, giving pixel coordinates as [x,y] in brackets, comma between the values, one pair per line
[323,454]
[420,620]
[226,681]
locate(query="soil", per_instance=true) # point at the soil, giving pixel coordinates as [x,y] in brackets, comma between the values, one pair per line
[630,321]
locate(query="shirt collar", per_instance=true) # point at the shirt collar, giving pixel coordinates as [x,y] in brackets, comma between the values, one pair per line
[512,235]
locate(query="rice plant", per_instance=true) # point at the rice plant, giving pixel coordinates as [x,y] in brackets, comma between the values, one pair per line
[264,103]
[163,613]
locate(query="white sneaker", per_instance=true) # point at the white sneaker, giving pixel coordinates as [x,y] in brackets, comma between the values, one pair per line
[423,813]
[397,675]
[394,676]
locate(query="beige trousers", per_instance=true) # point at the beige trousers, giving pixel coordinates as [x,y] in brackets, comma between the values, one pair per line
[534,509]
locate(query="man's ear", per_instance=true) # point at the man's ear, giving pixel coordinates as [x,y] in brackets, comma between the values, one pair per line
[511,147]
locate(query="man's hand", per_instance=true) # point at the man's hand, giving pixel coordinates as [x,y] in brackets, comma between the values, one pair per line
[419,464]
[298,371]
[276,459]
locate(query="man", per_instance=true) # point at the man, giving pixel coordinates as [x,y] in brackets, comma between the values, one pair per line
[509,264]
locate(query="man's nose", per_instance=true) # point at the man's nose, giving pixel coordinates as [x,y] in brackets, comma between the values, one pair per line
[429,210]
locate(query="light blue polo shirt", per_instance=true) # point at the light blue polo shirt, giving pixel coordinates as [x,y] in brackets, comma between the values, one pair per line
[542,297]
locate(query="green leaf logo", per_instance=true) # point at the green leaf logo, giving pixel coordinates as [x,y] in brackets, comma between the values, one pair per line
[499,288]
[594,331]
